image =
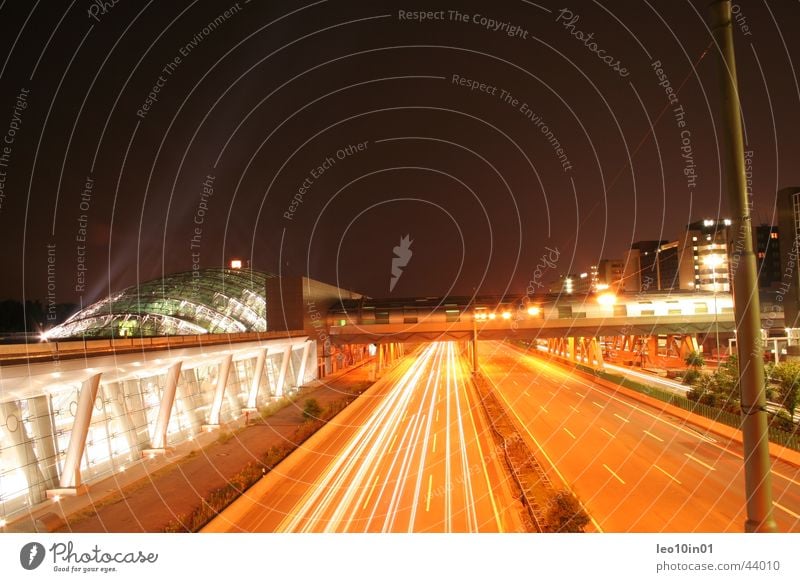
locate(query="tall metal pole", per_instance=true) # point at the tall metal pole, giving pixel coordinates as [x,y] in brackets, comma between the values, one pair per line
[757,481]
[716,311]
[474,344]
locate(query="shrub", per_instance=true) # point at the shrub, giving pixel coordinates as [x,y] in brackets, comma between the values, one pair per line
[311,409]
[565,514]
[691,376]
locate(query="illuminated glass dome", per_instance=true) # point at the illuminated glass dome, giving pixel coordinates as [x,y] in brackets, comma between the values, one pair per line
[210,300]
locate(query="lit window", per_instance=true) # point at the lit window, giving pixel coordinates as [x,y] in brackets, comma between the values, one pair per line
[773,235]
[761,254]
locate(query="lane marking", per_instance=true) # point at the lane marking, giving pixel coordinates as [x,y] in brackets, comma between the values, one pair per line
[667,474]
[437,415]
[617,477]
[608,433]
[391,444]
[525,392]
[575,409]
[430,487]
[566,430]
[789,511]
[531,361]
[696,460]
[598,405]
[658,438]
[581,395]
[622,418]
[545,410]
[372,489]
[434,442]
[544,453]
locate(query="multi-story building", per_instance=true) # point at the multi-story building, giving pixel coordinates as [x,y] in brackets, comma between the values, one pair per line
[610,275]
[641,268]
[704,256]
[768,256]
[789,283]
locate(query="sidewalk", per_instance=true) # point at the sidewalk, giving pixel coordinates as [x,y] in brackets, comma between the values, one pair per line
[154,491]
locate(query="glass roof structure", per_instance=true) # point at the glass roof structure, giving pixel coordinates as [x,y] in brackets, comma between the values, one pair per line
[212,300]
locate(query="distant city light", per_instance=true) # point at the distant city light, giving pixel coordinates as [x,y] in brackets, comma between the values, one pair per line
[533,310]
[506,315]
[236,263]
[492,315]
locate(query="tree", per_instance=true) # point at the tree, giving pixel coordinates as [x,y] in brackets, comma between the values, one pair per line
[787,375]
[695,360]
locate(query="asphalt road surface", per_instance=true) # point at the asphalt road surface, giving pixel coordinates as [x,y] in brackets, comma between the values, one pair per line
[635,468]
[413,454]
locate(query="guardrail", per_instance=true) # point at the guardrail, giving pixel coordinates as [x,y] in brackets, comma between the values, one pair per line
[73,348]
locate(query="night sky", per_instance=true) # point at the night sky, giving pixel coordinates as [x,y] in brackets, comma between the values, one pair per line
[142,138]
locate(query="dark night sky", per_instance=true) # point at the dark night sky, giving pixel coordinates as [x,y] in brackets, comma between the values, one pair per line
[260,101]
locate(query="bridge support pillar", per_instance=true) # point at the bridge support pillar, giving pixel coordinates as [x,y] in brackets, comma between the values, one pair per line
[21,452]
[287,354]
[301,374]
[70,482]
[255,385]
[219,392]
[570,354]
[158,443]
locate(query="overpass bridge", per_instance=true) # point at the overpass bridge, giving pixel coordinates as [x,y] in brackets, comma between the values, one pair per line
[73,411]
[643,326]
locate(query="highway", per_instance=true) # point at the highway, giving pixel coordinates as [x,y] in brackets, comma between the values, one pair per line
[635,468]
[413,454]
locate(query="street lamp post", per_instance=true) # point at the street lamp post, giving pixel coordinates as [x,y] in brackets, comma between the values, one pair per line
[714,261]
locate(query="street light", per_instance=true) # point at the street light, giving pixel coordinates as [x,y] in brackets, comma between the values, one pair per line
[714,261]
[607,299]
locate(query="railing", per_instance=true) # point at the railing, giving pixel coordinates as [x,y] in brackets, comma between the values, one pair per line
[776,435]
[73,348]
